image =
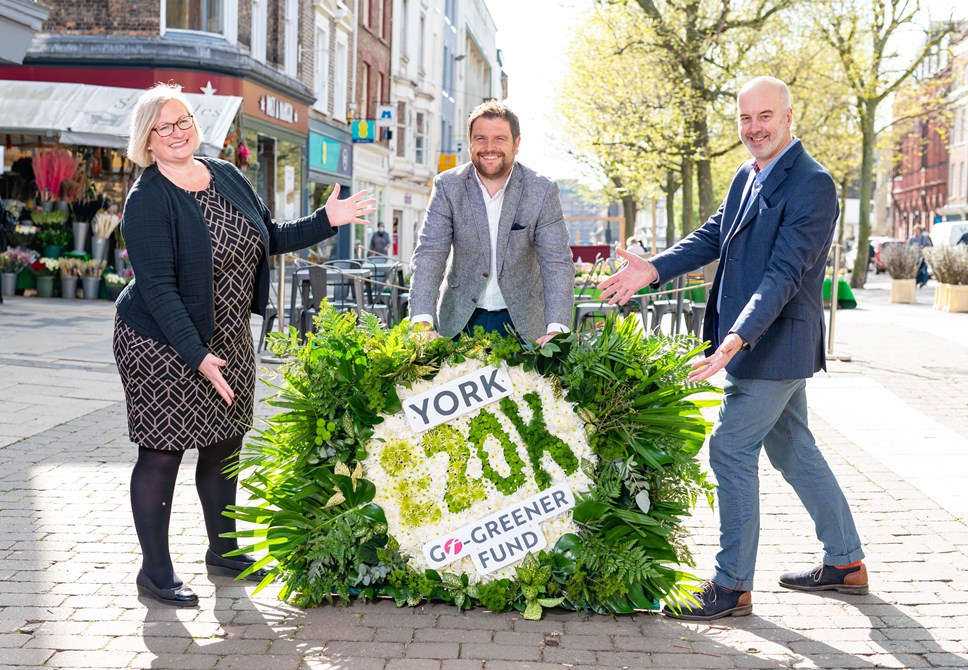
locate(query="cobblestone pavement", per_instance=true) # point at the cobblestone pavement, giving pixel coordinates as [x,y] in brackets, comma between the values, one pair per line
[892,422]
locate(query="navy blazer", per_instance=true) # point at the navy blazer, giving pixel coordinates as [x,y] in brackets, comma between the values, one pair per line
[171,298]
[771,268]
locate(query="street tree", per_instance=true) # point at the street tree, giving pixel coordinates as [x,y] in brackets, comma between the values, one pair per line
[865,34]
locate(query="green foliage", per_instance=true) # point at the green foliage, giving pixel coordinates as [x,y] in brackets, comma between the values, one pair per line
[313,512]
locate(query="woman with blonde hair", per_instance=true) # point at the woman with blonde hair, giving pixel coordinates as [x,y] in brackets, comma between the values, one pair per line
[199,239]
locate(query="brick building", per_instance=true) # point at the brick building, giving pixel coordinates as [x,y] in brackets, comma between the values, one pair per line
[247,50]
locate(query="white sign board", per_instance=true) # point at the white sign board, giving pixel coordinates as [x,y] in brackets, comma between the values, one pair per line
[503,537]
[456,397]
[386,116]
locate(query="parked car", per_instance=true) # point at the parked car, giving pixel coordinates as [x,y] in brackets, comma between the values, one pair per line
[879,243]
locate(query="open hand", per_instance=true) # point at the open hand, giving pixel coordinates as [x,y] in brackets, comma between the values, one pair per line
[211,368]
[637,273]
[351,210]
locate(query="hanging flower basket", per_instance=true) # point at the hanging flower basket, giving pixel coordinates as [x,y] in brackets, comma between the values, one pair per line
[479,472]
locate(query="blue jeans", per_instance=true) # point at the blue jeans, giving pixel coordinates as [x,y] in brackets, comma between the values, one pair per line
[771,414]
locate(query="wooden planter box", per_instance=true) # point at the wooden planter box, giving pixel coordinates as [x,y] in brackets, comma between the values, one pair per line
[904,291]
[951,297]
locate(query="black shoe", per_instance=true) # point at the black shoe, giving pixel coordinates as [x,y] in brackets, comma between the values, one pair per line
[177,596]
[231,567]
[828,578]
[715,602]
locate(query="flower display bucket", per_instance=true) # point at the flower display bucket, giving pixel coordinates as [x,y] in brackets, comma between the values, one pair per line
[69,287]
[119,263]
[99,248]
[92,286]
[81,229]
[52,251]
[9,283]
[45,287]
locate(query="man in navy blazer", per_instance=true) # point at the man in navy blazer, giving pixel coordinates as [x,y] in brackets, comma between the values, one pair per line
[764,321]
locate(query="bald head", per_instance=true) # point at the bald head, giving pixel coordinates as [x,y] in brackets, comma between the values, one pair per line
[765,118]
[769,86]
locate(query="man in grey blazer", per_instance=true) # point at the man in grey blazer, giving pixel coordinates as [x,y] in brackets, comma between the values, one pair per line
[493,249]
[765,322]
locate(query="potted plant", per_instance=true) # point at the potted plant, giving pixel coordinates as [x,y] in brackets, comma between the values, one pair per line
[12,263]
[52,237]
[115,283]
[52,168]
[901,261]
[45,269]
[950,267]
[83,212]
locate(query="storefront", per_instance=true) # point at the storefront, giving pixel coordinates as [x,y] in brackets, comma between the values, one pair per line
[330,162]
[275,129]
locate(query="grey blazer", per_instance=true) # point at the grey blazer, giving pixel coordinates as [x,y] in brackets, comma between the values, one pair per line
[534,263]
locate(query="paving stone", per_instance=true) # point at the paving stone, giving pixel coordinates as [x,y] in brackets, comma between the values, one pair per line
[491,653]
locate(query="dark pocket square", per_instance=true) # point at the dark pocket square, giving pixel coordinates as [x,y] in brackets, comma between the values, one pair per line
[518,226]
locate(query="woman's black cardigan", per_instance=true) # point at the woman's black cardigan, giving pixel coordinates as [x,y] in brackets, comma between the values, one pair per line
[171,298]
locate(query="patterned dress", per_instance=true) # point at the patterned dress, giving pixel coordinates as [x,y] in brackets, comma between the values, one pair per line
[170,406]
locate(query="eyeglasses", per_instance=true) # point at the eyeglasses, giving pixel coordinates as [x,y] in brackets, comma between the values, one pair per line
[185,123]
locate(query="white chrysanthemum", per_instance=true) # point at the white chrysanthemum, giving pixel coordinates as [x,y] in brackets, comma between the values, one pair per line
[413,498]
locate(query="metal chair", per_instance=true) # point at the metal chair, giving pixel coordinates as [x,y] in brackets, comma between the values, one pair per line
[590,309]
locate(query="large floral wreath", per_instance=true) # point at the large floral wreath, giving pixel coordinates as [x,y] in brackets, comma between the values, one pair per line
[568,490]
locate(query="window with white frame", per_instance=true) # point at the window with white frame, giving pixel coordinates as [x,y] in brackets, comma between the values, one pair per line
[321,66]
[404,30]
[419,139]
[365,92]
[220,17]
[401,129]
[291,57]
[422,43]
[260,26]
[340,82]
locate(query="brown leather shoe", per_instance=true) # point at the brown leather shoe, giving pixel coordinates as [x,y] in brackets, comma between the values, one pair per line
[828,578]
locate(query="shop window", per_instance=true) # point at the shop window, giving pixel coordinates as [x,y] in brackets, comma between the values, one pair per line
[419,139]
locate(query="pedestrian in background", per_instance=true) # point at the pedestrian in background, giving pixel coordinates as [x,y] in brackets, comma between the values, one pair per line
[771,235]
[501,225]
[920,240]
[199,239]
[379,241]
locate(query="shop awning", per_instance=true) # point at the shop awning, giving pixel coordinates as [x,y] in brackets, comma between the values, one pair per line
[99,115]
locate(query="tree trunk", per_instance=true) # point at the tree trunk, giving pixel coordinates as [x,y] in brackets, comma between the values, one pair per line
[704,174]
[670,193]
[629,211]
[868,110]
[688,175]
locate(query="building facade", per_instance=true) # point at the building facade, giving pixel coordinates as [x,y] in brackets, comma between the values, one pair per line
[246,49]
[956,206]
[415,90]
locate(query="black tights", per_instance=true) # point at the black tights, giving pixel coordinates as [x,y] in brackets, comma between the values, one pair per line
[152,490]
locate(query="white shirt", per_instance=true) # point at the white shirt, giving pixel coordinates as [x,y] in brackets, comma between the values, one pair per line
[491,297]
